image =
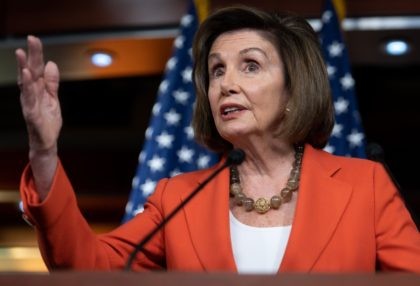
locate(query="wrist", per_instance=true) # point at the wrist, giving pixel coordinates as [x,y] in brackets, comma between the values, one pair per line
[43,164]
[43,154]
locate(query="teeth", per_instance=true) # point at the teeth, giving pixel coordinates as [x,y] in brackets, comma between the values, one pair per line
[230,109]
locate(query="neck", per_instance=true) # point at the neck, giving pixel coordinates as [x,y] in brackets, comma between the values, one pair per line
[267,160]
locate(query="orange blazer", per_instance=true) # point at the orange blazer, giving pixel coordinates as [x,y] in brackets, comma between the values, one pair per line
[349,218]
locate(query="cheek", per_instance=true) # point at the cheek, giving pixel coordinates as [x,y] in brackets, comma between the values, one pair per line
[274,100]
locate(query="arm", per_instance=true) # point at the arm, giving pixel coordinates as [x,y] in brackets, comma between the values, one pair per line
[398,240]
[65,238]
[67,242]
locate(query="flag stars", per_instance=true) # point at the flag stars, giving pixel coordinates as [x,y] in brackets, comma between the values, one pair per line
[185,154]
[179,42]
[128,206]
[335,49]
[175,172]
[338,128]
[331,70]
[329,148]
[156,108]
[165,140]
[186,20]
[135,182]
[142,156]
[163,87]
[172,117]
[170,65]
[341,105]
[181,96]
[203,161]
[326,16]
[189,131]
[355,138]
[187,75]
[149,132]
[138,210]
[148,187]
[347,81]
[162,156]
[156,163]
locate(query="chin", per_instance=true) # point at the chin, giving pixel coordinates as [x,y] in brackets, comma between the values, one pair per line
[234,135]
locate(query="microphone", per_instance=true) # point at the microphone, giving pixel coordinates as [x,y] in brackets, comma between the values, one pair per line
[235,157]
[376,153]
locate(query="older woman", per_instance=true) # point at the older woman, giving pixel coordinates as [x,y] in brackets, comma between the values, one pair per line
[261,86]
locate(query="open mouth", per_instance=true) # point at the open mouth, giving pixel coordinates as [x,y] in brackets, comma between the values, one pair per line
[229,110]
[226,110]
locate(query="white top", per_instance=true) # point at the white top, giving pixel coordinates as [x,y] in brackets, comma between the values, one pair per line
[258,250]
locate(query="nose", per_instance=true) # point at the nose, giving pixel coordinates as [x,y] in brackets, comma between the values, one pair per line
[229,83]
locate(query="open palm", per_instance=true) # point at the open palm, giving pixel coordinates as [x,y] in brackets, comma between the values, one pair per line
[39,97]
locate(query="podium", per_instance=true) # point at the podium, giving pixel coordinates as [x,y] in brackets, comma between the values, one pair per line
[203,279]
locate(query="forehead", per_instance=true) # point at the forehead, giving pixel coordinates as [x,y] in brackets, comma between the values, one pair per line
[242,39]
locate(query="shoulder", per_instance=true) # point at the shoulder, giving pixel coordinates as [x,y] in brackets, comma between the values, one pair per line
[347,168]
[358,172]
[326,159]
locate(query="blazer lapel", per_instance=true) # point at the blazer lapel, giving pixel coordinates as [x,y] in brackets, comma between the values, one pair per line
[208,220]
[321,203]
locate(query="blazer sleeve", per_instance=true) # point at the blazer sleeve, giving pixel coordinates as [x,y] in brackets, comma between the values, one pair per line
[66,240]
[397,237]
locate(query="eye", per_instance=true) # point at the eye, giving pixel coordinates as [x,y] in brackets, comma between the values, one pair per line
[252,66]
[216,71]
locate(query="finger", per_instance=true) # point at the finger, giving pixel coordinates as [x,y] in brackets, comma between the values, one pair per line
[27,92]
[52,78]
[21,64]
[35,57]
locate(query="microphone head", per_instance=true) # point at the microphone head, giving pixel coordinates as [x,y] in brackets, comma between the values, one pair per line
[235,157]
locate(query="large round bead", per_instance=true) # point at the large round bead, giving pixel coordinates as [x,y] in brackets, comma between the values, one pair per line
[295,173]
[275,202]
[292,184]
[239,198]
[262,205]
[286,195]
[248,204]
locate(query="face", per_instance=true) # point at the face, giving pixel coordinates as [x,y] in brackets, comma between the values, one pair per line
[247,93]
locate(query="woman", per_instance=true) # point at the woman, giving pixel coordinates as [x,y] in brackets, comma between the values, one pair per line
[261,86]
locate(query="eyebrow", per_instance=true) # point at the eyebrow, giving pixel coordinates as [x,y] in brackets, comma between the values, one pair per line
[242,52]
[247,50]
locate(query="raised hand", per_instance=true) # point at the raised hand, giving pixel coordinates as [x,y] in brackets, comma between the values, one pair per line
[38,85]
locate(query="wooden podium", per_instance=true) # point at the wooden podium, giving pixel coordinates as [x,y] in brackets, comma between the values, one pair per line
[203,279]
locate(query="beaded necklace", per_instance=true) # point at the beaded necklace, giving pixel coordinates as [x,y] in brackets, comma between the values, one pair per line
[263,205]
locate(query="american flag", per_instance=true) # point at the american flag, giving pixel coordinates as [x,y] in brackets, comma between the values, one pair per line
[169,148]
[347,136]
